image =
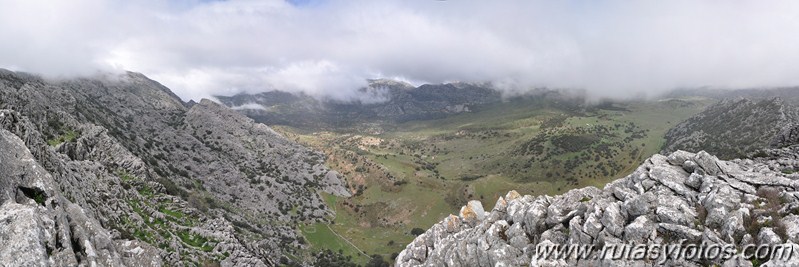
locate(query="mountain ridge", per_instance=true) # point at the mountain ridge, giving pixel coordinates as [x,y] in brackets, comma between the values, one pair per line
[390,101]
[187,184]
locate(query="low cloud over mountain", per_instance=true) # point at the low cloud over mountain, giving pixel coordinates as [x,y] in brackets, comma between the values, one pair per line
[331,48]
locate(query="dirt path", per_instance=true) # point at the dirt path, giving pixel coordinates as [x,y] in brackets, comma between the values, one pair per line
[347,240]
[335,210]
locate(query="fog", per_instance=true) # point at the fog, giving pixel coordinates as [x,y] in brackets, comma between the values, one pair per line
[330,48]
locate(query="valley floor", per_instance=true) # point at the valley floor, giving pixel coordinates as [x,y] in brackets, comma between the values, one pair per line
[413,174]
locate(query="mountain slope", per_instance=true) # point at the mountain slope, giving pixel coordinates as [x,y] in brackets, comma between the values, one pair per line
[384,101]
[36,220]
[199,184]
[688,196]
[737,128]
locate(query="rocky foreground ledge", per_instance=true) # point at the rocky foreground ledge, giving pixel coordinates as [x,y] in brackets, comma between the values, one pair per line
[683,196]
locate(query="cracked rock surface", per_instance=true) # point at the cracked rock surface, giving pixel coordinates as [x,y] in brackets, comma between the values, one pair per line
[116,170]
[683,196]
[39,227]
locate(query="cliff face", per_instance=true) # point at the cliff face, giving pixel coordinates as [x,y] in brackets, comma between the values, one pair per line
[737,128]
[694,197]
[117,170]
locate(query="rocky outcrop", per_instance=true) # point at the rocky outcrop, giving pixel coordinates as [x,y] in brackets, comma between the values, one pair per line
[132,172]
[39,227]
[683,197]
[735,128]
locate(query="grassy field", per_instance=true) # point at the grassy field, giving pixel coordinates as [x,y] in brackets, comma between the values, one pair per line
[415,173]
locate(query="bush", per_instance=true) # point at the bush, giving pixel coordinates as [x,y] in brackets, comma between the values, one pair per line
[172,189]
[211,203]
[417,231]
[377,261]
[760,154]
[328,258]
[198,203]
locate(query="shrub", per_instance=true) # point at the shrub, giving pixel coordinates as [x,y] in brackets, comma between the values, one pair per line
[198,203]
[211,203]
[377,261]
[172,189]
[417,231]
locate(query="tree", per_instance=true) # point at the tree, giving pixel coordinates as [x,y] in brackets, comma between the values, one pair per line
[377,261]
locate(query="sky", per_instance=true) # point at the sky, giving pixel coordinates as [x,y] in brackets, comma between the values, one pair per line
[329,48]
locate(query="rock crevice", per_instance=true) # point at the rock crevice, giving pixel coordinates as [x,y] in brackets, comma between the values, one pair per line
[693,198]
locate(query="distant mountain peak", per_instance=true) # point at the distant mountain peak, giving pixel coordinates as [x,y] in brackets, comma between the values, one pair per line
[390,83]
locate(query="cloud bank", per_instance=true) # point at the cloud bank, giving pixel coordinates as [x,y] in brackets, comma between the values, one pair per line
[329,48]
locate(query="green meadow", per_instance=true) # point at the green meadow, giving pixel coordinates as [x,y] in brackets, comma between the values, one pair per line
[413,174]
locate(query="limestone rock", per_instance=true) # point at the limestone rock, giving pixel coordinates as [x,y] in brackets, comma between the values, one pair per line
[713,205]
[121,171]
[473,211]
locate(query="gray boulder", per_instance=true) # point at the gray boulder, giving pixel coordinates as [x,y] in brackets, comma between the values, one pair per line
[710,205]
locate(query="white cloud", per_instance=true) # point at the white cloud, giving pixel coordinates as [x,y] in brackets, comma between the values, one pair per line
[252,106]
[329,48]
